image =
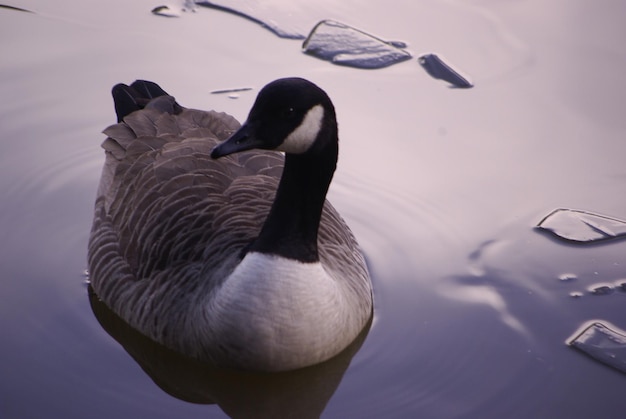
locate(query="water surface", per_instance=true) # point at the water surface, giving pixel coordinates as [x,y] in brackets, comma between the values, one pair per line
[442,187]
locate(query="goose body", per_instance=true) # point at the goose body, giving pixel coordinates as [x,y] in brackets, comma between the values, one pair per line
[222,252]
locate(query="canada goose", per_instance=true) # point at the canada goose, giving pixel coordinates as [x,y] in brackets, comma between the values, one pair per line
[215,254]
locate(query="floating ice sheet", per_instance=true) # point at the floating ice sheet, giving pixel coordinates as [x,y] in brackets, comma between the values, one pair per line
[582,226]
[438,69]
[602,343]
[344,45]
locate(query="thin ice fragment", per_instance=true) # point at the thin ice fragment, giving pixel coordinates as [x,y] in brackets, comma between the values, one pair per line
[344,45]
[18,9]
[602,343]
[233,90]
[165,11]
[582,226]
[256,11]
[438,69]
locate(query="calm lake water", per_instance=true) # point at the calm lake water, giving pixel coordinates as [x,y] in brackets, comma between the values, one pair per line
[442,187]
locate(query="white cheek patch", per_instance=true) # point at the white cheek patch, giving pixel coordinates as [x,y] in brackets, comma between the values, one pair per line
[301,139]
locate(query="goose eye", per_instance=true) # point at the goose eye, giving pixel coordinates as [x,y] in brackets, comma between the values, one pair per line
[289,113]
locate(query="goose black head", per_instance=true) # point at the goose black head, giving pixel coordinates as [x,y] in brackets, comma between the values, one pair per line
[291,115]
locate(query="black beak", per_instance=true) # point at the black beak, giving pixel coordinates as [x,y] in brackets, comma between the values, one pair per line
[241,140]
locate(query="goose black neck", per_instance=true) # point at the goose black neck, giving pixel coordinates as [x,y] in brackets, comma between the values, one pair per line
[291,227]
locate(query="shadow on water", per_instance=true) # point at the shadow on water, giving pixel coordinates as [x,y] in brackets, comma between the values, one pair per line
[301,393]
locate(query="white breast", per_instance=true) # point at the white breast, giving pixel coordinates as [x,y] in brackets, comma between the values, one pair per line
[274,312]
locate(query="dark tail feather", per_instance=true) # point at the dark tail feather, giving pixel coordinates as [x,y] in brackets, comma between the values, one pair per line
[129,99]
[148,89]
[126,100]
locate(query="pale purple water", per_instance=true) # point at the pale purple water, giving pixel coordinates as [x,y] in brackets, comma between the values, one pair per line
[441,186]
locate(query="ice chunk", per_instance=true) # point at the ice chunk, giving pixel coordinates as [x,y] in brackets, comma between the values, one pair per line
[344,45]
[438,69]
[165,11]
[18,9]
[603,343]
[256,11]
[582,226]
[601,289]
[189,6]
[232,90]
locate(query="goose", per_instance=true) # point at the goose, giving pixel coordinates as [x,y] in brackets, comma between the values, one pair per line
[215,239]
